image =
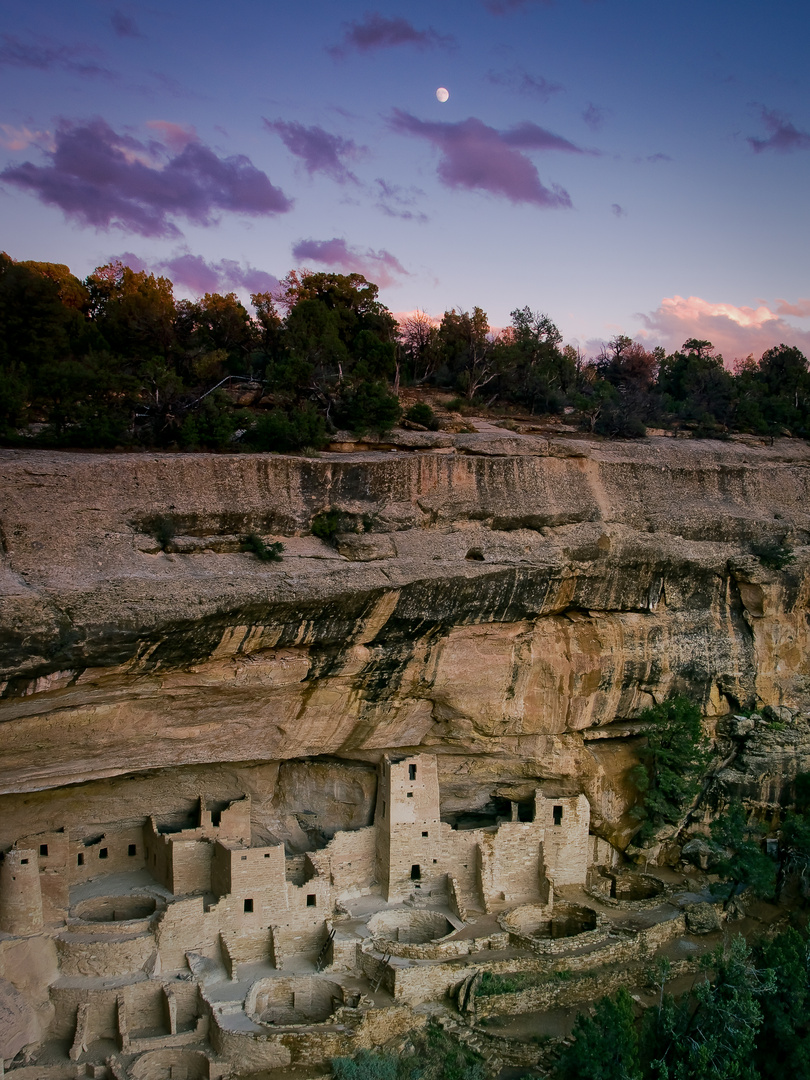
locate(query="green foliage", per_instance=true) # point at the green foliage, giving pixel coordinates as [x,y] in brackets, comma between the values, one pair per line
[491,983]
[327,525]
[774,554]
[283,430]
[421,413]
[366,1065]
[672,764]
[783,1042]
[369,406]
[742,862]
[605,1045]
[264,552]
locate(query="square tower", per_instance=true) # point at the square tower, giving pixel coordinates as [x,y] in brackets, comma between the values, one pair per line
[566,820]
[407,822]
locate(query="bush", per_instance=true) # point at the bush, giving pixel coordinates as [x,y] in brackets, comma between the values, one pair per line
[327,525]
[162,528]
[367,1065]
[283,431]
[264,552]
[369,407]
[422,414]
[774,554]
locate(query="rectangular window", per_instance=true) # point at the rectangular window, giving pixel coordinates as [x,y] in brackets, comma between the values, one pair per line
[43,850]
[557,812]
[132,850]
[424,834]
[102,853]
[411,772]
[312,900]
[243,858]
[23,862]
[267,854]
[416,873]
[410,794]
[248,905]
[80,859]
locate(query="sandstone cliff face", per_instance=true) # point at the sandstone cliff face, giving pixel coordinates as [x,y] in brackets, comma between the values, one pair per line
[510,604]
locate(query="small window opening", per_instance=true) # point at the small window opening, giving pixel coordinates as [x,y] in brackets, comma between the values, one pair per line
[23,862]
[248,905]
[410,794]
[416,873]
[312,900]
[411,772]
[435,860]
[424,834]
[43,850]
[216,817]
[80,859]
[557,812]
[132,849]
[267,854]
[102,853]
[243,858]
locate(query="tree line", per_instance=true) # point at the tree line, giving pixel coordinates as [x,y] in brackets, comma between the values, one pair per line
[115,360]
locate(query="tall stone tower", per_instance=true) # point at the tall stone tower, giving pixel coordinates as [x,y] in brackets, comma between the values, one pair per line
[407,821]
[20,892]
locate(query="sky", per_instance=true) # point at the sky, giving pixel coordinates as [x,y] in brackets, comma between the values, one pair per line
[625,167]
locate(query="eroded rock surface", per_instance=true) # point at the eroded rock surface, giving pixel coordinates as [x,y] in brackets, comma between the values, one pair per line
[510,603]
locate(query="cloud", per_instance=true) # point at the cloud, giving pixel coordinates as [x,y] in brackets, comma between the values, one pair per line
[175,136]
[617,211]
[528,136]
[735,331]
[801,309]
[655,158]
[595,116]
[102,179]
[319,150]
[375,31]
[199,276]
[124,25]
[42,54]
[399,202]
[522,82]
[783,137]
[381,267]
[13,138]
[477,157]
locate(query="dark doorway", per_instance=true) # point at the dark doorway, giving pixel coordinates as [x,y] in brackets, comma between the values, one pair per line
[416,873]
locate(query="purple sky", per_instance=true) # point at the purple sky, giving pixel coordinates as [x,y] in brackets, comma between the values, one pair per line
[626,168]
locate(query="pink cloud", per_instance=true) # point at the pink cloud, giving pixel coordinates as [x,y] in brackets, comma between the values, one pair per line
[381,267]
[175,136]
[106,180]
[477,157]
[199,276]
[13,138]
[801,309]
[735,331]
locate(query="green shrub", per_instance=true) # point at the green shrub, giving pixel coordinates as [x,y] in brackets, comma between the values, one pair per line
[369,407]
[327,525]
[283,431]
[264,552]
[422,414]
[774,554]
[367,1065]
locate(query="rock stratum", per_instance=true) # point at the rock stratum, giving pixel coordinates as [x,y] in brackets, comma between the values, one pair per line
[507,602]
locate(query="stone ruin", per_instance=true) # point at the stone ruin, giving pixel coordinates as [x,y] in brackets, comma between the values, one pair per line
[202,950]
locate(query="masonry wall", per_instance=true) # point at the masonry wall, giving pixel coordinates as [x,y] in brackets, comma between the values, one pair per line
[407,814]
[350,860]
[566,844]
[20,892]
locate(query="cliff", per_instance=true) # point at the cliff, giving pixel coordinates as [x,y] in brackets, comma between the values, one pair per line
[507,602]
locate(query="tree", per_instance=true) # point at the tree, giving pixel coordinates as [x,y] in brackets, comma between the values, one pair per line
[533,370]
[672,763]
[742,861]
[468,350]
[783,1044]
[605,1046]
[419,335]
[712,1033]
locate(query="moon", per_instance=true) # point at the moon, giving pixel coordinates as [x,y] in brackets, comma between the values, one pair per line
[442,94]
